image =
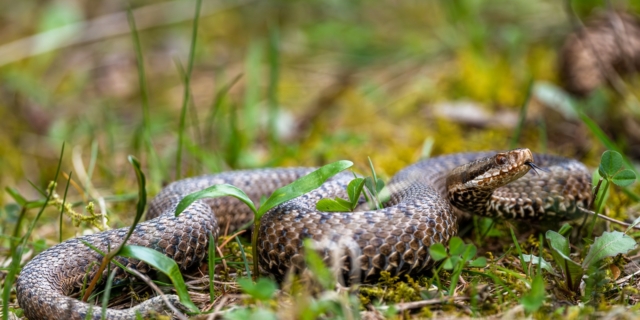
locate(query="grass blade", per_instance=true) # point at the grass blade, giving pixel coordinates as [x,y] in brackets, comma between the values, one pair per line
[244,257]
[274,75]
[144,96]
[107,293]
[187,89]
[165,265]
[142,201]
[212,267]
[604,139]
[523,116]
[64,199]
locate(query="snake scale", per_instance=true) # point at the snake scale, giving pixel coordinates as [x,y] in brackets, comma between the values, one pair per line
[422,211]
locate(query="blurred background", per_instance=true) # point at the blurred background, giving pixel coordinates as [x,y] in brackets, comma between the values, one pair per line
[283,83]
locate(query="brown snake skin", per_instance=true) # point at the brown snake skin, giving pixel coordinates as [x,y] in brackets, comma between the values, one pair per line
[395,238]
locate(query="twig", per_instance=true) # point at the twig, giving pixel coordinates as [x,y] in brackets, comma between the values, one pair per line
[624,279]
[423,303]
[601,216]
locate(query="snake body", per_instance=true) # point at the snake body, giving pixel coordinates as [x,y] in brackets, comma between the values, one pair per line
[422,211]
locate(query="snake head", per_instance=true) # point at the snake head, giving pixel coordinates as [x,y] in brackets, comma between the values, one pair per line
[471,185]
[491,172]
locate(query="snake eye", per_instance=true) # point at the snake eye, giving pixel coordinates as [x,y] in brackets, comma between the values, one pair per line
[501,159]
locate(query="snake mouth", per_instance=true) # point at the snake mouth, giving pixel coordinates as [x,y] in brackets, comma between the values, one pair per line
[535,167]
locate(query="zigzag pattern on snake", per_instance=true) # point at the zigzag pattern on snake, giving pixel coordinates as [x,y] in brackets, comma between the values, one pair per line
[395,238]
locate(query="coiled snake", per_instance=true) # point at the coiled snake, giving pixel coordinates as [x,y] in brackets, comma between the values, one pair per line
[421,212]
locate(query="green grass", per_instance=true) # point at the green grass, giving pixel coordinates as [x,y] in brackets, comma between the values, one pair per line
[369,80]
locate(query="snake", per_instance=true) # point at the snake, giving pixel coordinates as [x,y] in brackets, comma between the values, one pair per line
[425,201]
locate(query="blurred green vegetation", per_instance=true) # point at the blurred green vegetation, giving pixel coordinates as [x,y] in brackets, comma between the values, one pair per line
[278,83]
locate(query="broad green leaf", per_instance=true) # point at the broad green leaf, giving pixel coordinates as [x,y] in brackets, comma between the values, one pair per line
[165,265]
[469,252]
[354,189]
[451,262]
[219,190]
[303,185]
[456,246]
[537,260]
[438,251]
[369,183]
[559,245]
[332,205]
[534,299]
[317,266]
[481,262]
[344,203]
[573,274]
[624,178]
[560,251]
[262,290]
[379,185]
[609,244]
[610,163]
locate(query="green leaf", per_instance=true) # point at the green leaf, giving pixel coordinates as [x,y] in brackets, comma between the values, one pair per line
[303,185]
[534,299]
[16,196]
[142,197]
[573,274]
[456,246]
[438,252]
[481,262]
[165,265]
[609,244]
[564,230]
[354,189]
[379,185]
[469,252]
[344,203]
[559,245]
[560,251]
[624,178]
[332,205]
[529,258]
[369,183]
[317,266]
[262,290]
[610,163]
[448,264]
[218,190]
[487,227]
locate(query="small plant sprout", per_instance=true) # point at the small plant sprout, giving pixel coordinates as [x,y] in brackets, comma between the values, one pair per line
[370,187]
[459,256]
[297,188]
